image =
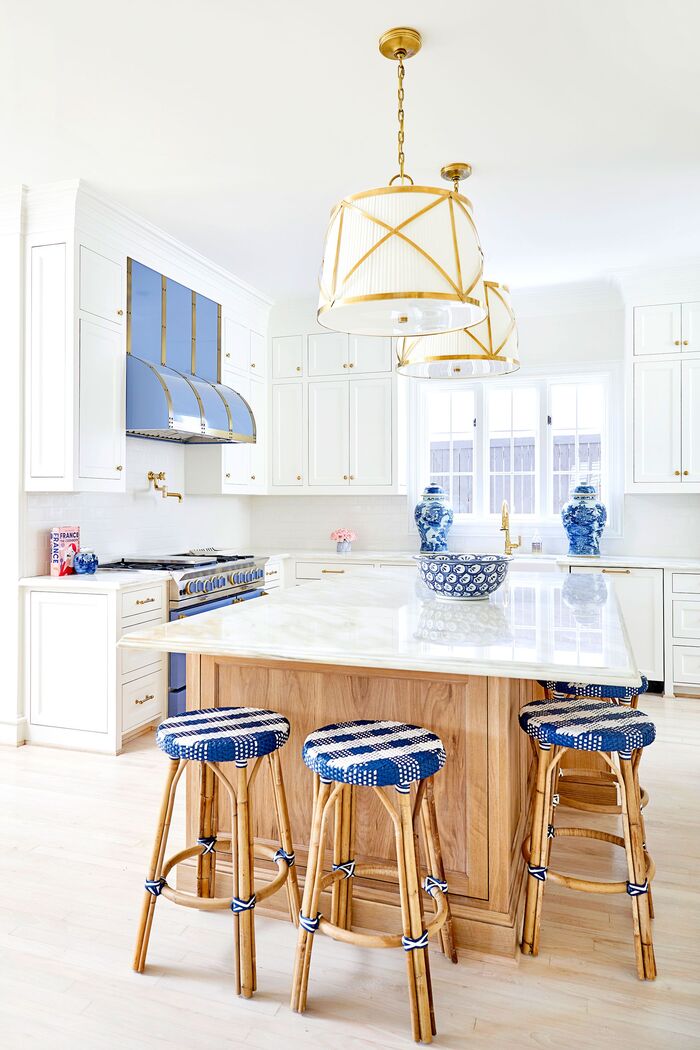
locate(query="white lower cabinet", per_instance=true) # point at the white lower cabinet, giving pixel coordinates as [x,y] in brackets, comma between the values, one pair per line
[232,469]
[288,435]
[350,432]
[102,442]
[329,433]
[640,593]
[82,692]
[686,665]
[683,630]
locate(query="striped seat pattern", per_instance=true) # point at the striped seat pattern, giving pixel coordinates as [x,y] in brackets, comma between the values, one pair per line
[223,734]
[375,754]
[599,692]
[584,724]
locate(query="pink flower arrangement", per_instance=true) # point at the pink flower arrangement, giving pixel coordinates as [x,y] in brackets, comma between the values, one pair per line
[343,535]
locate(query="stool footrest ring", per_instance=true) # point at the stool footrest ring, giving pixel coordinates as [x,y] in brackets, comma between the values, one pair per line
[573,882]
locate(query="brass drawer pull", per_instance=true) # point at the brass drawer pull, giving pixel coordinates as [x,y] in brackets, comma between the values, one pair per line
[147,697]
[333,571]
[144,601]
[619,572]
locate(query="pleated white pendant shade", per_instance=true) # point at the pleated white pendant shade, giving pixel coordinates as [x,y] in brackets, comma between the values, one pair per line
[402,261]
[489,348]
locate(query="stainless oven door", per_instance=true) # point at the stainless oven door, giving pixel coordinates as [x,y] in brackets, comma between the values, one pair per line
[177,692]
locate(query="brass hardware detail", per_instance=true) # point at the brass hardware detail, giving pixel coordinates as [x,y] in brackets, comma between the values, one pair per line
[345,477]
[147,697]
[351,365]
[298,477]
[685,473]
[352,477]
[144,601]
[119,467]
[228,356]
[160,476]
[685,342]
[510,546]
[397,44]
[298,368]
[345,365]
[455,173]
[676,342]
[618,572]
[120,313]
[333,572]
[677,473]
[228,476]
[252,477]
[252,364]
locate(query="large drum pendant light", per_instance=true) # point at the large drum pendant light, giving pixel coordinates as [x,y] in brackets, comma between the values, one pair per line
[402,260]
[489,348]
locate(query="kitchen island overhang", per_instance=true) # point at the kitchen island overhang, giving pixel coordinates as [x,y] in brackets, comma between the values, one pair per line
[379,646]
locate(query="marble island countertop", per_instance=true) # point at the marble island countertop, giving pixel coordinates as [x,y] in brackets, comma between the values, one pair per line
[538,625]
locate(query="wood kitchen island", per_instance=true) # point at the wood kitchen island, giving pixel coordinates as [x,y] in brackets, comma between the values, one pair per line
[378,646]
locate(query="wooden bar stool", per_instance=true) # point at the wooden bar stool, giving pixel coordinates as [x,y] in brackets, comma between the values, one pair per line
[619,734]
[247,737]
[378,755]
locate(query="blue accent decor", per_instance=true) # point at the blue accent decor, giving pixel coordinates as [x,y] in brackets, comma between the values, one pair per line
[584,519]
[600,692]
[410,944]
[209,842]
[146,312]
[372,753]
[537,873]
[178,326]
[343,547]
[551,831]
[238,904]
[147,407]
[586,724]
[433,886]
[433,516]
[636,889]
[308,924]
[463,577]
[347,867]
[207,338]
[155,886]
[85,563]
[282,855]
[223,734]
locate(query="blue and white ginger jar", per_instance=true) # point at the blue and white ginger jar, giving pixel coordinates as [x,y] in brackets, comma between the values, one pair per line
[584,519]
[433,516]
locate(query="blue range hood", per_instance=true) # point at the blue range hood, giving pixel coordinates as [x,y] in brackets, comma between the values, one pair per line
[172,366]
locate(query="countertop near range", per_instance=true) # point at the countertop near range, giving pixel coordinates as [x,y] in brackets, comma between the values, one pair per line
[537,625]
[102,580]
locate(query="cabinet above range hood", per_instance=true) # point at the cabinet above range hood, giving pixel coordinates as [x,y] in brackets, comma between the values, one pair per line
[173,392]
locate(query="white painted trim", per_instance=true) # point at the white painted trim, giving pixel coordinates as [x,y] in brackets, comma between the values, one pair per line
[13,734]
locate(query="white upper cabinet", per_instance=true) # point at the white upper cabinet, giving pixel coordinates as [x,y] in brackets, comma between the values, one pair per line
[235,346]
[690,327]
[258,354]
[690,421]
[101,285]
[288,434]
[657,422]
[288,357]
[102,440]
[369,354]
[329,354]
[257,473]
[370,423]
[657,329]
[329,433]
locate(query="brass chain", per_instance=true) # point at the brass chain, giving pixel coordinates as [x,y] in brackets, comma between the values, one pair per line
[401,74]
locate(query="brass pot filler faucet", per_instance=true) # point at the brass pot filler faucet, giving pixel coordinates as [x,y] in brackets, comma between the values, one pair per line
[163,489]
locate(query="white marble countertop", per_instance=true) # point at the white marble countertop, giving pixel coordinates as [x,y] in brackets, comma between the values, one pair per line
[102,580]
[395,557]
[538,625]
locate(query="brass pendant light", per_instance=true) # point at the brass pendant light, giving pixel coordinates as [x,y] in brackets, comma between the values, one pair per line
[402,260]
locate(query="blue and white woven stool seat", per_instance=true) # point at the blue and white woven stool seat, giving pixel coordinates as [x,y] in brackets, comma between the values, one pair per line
[584,724]
[600,692]
[373,754]
[223,734]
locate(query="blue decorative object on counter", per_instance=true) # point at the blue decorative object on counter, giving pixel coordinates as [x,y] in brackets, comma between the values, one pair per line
[584,519]
[85,562]
[433,516]
[463,577]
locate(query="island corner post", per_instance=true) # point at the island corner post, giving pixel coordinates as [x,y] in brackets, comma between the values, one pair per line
[482,794]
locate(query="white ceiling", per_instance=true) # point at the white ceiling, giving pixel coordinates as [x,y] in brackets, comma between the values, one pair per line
[236,125]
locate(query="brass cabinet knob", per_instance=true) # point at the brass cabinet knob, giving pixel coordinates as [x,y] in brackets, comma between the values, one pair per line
[252,477]
[676,342]
[685,342]
[228,357]
[351,365]
[120,313]
[352,477]
[298,368]
[298,477]
[345,477]
[345,364]
[119,466]
[252,364]
[677,473]
[685,473]
[228,476]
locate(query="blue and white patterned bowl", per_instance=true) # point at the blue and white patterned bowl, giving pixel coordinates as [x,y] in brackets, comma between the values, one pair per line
[462,577]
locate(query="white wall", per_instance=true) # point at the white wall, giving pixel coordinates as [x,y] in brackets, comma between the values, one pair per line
[566,324]
[139,521]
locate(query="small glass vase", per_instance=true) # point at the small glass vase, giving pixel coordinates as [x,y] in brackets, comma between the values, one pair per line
[343,546]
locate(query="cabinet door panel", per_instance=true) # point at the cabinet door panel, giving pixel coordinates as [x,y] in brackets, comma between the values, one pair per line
[258,354]
[287,434]
[236,345]
[66,693]
[101,290]
[370,353]
[690,417]
[288,357]
[690,327]
[657,422]
[328,433]
[370,432]
[102,402]
[657,329]
[48,379]
[328,354]
[235,459]
[258,403]
[641,599]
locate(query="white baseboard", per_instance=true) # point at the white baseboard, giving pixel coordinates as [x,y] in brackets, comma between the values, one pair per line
[13,734]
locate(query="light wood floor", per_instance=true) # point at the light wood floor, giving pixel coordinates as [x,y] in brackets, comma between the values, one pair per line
[76,834]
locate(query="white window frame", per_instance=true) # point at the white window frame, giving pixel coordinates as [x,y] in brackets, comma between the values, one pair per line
[485,524]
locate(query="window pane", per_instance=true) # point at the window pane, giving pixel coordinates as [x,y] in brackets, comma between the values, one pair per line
[499,411]
[591,406]
[439,457]
[525,409]
[462,456]
[577,434]
[451,436]
[462,495]
[439,413]
[499,458]
[563,406]
[512,445]
[499,489]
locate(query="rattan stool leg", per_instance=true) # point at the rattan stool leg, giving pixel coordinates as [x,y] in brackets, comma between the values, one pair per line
[245,883]
[175,769]
[342,854]
[206,862]
[636,759]
[637,870]
[285,833]
[436,866]
[416,958]
[538,852]
[312,892]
